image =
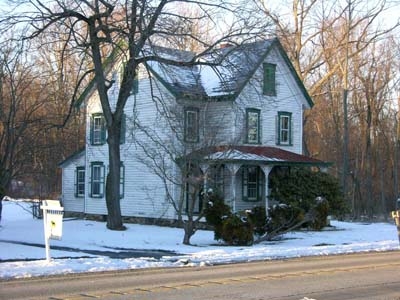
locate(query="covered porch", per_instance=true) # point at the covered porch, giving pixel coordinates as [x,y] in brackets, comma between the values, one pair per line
[241,174]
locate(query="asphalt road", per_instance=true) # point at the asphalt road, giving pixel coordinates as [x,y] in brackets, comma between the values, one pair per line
[356,276]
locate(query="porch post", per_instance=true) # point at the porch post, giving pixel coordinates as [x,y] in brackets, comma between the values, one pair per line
[266,170]
[233,169]
[204,168]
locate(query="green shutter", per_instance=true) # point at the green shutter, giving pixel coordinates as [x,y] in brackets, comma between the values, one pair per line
[244,183]
[123,129]
[277,130]
[102,178]
[91,130]
[135,86]
[76,182]
[103,130]
[269,87]
[90,180]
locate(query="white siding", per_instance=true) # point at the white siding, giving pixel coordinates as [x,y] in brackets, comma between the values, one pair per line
[224,123]
[70,202]
[144,194]
[218,119]
[289,98]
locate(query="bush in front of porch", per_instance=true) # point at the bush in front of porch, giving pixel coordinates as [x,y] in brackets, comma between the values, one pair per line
[305,199]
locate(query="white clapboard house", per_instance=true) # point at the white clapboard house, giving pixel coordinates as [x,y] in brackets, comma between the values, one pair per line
[240,119]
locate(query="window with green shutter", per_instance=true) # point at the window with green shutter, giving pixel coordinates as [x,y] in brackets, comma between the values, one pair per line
[252,183]
[80,182]
[191,125]
[269,84]
[97,129]
[97,174]
[253,135]
[284,128]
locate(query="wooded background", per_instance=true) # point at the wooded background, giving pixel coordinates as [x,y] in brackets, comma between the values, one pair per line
[346,52]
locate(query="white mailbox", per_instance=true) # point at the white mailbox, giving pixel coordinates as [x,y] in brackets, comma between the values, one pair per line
[52,220]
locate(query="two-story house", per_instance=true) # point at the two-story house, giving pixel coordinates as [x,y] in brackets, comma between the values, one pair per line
[238,117]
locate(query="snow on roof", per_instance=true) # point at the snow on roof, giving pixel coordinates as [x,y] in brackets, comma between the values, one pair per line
[220,73]
[234,154]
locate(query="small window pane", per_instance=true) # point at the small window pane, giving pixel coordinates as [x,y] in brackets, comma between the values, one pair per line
[191,125]
[252,183]
[284,128]
[122,181]
[80,182]
[98,130]
[253,126]
[97,180]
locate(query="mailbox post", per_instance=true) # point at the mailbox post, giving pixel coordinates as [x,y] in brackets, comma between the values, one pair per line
[52,220]
[396,217]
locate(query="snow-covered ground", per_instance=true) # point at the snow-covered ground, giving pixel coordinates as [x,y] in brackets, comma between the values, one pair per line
[86,245]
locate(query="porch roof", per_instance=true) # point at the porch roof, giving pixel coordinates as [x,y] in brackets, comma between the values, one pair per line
[256,154]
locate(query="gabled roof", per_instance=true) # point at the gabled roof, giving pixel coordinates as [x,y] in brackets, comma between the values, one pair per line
[74,156]
[255,154]
[221,74]
[229,70]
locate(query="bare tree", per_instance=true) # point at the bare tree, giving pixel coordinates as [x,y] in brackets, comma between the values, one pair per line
[194,180]
[322,38]
[21,112]
[104,31]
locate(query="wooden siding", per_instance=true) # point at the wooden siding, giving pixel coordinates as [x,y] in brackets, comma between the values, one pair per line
[70,202]
[221,122]
[144,193]
[288,99]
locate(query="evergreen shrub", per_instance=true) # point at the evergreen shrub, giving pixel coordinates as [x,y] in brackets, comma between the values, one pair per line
[282,217]
[258,217]
[237,231]
[215,212]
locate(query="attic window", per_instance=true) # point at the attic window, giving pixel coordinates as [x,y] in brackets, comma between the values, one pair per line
[269,83]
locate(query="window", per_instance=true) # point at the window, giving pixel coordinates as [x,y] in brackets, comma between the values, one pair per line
[253,126]
[192,125]
[269,84]
[284,128]
[80,182]
[122,181]
[97,129]
[252,183]
[97,180]
[216,179]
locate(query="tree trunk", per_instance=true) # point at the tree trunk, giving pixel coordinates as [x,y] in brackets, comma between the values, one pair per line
[114,218]
[189,229]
